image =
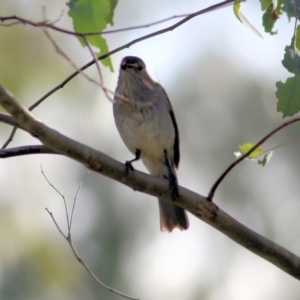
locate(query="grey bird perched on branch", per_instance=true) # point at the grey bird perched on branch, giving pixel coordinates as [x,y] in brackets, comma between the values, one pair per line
[146,122]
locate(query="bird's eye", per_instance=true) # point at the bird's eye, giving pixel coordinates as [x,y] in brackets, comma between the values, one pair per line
[140,68]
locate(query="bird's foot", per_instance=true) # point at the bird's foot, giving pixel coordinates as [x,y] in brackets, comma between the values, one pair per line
[128,163]
[128,167]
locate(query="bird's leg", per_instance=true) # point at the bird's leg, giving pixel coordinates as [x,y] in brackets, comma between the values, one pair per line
[173,184]
[128,163]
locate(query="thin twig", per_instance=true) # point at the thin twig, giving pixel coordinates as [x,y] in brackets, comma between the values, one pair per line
[170,28]
[10,138]
[67,58]
[10,121]
[68,237]
[53,219]
[278,146]
[48,24]
[81,261]
[105,90]
[93,275]
[63,197]
[224,174]
[74,202]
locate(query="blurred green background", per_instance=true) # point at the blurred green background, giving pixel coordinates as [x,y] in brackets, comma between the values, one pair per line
[220,78]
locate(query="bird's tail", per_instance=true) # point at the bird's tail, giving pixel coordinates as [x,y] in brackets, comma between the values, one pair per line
[172,216]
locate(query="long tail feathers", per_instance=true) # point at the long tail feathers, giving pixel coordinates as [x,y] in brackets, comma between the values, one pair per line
[172,217]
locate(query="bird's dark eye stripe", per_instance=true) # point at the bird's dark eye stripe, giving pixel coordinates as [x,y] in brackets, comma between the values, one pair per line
[130,66]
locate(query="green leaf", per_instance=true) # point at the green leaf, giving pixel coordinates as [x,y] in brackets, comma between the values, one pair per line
[270,15]
[297,44]
[292,8]
[291,59]
[263,162]
[288,95]
[93,16]
[236,9]
[255,154]
[266,159]
[112,6]
[240,16]
[265,4]
[247,146]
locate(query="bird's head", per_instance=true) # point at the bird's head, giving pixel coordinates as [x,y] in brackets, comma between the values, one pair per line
[133,74]
[133,64]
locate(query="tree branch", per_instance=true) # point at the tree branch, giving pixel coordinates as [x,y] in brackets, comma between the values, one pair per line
[125,46]
[25,150]
[245,155]
[8,120]
[68,238]
[192,202]
[47,24]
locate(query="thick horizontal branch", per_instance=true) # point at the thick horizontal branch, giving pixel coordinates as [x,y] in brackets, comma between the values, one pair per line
[194,203]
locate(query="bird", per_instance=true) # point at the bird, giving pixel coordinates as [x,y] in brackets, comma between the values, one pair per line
[146,123]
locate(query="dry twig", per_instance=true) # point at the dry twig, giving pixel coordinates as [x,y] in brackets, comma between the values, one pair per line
[68,236]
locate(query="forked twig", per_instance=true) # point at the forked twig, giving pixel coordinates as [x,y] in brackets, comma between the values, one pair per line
[74,202]
[224,174]
[64,199]
[68,237]
[67,58]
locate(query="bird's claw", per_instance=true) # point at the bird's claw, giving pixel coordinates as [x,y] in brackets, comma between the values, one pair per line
[128,167]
